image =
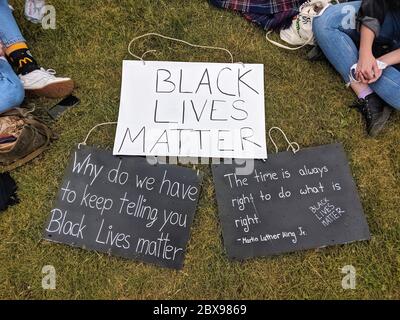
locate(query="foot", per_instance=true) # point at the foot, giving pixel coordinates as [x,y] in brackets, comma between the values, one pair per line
[375,112]
[44,83]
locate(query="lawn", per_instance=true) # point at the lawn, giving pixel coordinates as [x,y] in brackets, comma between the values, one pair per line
[307,99]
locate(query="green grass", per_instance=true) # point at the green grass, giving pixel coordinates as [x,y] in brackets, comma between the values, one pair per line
[308,100]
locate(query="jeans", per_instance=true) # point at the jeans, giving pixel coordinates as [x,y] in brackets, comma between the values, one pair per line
[336,34]
[9,30]
[11,89]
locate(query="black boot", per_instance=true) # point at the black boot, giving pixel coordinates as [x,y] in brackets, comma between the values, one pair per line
[375,112]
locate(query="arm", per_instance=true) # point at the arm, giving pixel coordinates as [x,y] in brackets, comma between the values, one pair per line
[391,58]
[367,40]
[367,68]
[369,19]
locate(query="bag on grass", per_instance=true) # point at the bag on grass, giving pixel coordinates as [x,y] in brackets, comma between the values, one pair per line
[300,33]
[29,138]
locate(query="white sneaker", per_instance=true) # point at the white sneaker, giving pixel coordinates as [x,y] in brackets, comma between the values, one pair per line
[44,83]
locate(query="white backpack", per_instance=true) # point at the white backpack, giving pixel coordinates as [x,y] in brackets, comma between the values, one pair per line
[300,33]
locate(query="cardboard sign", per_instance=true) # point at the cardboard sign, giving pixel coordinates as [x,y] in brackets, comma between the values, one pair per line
[125,207]
[191,110]
[290,202]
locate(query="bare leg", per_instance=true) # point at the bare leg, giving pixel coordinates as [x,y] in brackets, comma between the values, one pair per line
[359,88]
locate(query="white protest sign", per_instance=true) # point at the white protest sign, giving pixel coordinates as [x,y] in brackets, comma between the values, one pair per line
[191,110]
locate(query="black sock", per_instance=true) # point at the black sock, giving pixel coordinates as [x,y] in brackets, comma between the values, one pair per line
[22,61]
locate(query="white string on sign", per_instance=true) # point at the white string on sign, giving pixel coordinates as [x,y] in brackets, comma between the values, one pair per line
[291,145]
[142,59]
[172,39]
[94,128]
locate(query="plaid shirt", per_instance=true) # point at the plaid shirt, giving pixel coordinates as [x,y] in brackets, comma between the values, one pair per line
[259,6]
[269,14]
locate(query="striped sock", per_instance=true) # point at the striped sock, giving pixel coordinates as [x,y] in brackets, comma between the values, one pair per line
[21,58]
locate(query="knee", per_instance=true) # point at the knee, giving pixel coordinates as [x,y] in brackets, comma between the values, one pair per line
[329,20]
[12,96]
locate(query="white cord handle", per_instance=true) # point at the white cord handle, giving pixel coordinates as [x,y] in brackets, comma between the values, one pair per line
[279,45]
[94,128]
[172,39]
[291,145]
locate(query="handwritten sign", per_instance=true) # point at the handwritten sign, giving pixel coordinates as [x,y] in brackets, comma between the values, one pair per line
[125,207]
[191,110]
[290,202]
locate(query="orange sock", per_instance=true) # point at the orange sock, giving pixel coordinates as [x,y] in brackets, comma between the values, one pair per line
[15,47]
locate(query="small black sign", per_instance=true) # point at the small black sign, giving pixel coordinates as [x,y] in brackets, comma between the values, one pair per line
[289,202]
[125,206]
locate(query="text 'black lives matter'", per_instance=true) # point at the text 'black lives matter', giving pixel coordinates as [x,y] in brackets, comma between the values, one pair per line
[126,207]
[290,202]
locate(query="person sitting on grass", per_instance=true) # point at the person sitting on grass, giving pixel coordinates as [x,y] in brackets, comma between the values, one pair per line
[35,80]
[378,21]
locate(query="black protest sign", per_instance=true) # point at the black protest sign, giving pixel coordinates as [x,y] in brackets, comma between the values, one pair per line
[126,207]
[289,202]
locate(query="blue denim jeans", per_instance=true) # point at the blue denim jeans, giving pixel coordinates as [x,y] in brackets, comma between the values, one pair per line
[336,34]
[11,89]
[9,30]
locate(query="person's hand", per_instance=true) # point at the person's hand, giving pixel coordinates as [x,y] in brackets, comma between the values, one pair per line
[367,69]
[1,50]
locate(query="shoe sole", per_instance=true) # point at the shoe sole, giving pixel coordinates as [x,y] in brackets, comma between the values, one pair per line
[382,121]
[54,90]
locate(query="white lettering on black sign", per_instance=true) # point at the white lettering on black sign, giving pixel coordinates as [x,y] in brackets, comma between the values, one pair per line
[126,207]
[290,202]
